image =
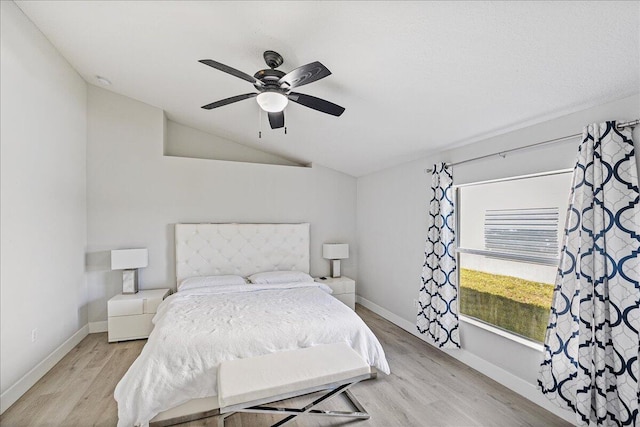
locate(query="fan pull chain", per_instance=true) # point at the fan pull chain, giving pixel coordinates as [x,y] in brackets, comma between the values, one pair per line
[259,123]
[285,130]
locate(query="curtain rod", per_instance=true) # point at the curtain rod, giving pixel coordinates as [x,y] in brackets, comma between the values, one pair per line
[621,125]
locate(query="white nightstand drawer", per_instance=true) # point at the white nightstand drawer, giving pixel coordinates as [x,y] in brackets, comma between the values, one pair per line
[344,289]
[151,305]
[130,327]
[129,315]
[343,286]
[125,307]
[348,299]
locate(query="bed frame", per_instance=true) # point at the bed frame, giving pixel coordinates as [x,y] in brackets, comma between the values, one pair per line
[242,249]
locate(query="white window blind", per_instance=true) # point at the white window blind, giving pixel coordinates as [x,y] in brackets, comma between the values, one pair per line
[515,219]
[518,233]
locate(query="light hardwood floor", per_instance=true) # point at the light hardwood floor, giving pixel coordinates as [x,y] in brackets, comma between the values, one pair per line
[426,388]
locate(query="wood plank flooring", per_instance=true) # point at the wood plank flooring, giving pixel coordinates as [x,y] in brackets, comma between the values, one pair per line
[426,388]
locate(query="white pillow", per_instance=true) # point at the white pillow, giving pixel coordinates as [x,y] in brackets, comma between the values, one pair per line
[209,281]
[275,277]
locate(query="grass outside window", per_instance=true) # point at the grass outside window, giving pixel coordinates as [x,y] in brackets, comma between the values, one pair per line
[517,305]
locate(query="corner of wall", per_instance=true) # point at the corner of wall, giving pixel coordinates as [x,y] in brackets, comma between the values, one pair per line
[43,206]
[28,380]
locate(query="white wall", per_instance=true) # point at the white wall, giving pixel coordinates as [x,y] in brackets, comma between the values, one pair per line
[135,195]
[184,141]
[43,203]
[392,217]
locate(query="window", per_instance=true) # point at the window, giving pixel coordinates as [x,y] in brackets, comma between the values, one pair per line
[509,243]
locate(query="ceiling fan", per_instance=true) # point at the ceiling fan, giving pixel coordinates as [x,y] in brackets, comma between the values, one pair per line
[274,88]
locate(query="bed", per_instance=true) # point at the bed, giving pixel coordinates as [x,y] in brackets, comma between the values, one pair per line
[197,328]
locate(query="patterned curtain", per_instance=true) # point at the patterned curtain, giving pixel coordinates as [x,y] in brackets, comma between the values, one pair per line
[438,297]
[592,344]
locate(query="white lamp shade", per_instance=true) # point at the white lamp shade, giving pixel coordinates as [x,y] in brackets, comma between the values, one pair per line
[272,102]
[124,259]
[335,251]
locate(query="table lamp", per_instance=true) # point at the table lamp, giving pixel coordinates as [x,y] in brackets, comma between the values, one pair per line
[129,260]
[335,252]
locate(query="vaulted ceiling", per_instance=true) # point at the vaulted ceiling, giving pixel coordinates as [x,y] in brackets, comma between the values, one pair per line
[414,77]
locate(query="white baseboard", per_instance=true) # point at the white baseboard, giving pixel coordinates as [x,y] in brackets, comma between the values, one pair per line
[97,327]
[494,372]
[13,393]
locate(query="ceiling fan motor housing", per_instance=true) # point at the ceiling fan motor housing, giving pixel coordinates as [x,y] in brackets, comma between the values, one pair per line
[269,77]
[273,59]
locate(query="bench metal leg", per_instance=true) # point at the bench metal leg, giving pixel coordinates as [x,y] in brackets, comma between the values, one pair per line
[222,417]
[308,409]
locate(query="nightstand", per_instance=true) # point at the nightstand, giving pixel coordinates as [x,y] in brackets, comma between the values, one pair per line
[344,289]
[130,315]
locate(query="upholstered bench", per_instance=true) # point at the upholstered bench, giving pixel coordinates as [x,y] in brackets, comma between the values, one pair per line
[246,385]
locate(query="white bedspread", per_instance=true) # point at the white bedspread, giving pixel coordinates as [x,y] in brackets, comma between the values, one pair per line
[197,329]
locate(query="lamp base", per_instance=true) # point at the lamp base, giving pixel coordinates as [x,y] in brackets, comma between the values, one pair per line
[335,268]
[130,281]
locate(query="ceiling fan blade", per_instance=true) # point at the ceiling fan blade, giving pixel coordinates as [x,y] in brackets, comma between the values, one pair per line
[304,75]
[229,70]
[227,101]
[276,120]
[316,103]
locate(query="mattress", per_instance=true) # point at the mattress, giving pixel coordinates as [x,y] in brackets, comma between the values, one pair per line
[196,329]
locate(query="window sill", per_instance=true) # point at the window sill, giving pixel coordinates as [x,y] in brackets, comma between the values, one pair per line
[513,337]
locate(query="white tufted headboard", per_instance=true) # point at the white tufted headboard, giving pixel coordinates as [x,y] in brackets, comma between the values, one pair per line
[242,249]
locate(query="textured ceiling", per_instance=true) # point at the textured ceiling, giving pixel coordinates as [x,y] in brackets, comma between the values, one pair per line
[414,77]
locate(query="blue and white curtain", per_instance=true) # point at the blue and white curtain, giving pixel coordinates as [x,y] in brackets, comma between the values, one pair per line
[592,342]
[438,297]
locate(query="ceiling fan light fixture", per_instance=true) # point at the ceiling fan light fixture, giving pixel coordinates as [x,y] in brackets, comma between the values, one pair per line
[272,102]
